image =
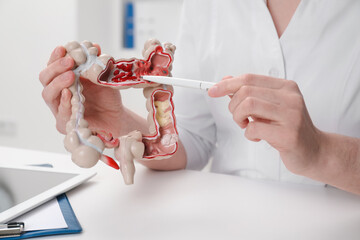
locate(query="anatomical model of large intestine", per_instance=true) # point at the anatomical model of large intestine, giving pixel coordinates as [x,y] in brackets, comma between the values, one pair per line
[87,146]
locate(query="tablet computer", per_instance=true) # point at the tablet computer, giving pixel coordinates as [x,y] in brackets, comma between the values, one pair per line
[24,188]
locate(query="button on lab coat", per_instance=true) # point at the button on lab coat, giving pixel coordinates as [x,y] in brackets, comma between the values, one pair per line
[319,50]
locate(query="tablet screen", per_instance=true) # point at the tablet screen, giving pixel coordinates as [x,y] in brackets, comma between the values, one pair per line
[22,189]
[19,185]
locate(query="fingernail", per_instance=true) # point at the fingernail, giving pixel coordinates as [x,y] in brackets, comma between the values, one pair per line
[58,51]
[213,90]
[63,97]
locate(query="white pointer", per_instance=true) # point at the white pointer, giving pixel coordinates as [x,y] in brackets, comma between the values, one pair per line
[181,82]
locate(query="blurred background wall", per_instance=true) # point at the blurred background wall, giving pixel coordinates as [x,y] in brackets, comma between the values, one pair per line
[31,29]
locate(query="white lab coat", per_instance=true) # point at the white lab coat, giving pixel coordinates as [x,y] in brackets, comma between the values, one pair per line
[320,50]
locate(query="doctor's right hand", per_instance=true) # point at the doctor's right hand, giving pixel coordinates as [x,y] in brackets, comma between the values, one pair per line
[103,105]
[279,115]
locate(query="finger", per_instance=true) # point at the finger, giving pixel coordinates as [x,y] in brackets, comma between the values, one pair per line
[266,94]
[64,110]
[98,47]
[51,93]
[254,107]
[226,77]
[58,53]
[243,124]
[260,119]
[256,131]
[231,85]
[55,69]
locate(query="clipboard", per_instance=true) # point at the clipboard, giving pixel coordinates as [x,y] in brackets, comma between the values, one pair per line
[69,216]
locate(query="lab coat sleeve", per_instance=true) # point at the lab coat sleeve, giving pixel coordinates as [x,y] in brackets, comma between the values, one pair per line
[195,123]
[349,122]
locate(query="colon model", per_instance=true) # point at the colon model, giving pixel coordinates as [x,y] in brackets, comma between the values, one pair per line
[86,145]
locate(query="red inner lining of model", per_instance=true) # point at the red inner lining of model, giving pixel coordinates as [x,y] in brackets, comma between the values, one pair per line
[128,72]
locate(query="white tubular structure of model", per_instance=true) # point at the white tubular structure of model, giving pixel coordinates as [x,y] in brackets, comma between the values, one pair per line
[86,145]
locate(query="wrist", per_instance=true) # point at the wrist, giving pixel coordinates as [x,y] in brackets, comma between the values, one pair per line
[320,158]
[309,155]
[337,155]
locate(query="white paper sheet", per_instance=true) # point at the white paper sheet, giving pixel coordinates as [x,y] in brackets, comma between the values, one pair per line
[46,216]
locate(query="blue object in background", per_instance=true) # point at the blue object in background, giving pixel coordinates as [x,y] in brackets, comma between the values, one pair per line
[128,25]
[69,216]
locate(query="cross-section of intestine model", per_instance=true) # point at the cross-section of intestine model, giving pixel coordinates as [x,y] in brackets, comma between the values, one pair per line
[87,146]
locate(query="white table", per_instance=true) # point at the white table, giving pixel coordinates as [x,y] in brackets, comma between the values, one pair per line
[198,205]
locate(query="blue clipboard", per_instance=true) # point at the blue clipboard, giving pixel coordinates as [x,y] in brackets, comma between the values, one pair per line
[69,216]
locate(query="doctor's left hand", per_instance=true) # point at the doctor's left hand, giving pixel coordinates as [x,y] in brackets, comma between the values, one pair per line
[279,117]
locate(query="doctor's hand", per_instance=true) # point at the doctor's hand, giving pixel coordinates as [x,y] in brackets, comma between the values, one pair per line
[103,105]
[279,116]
